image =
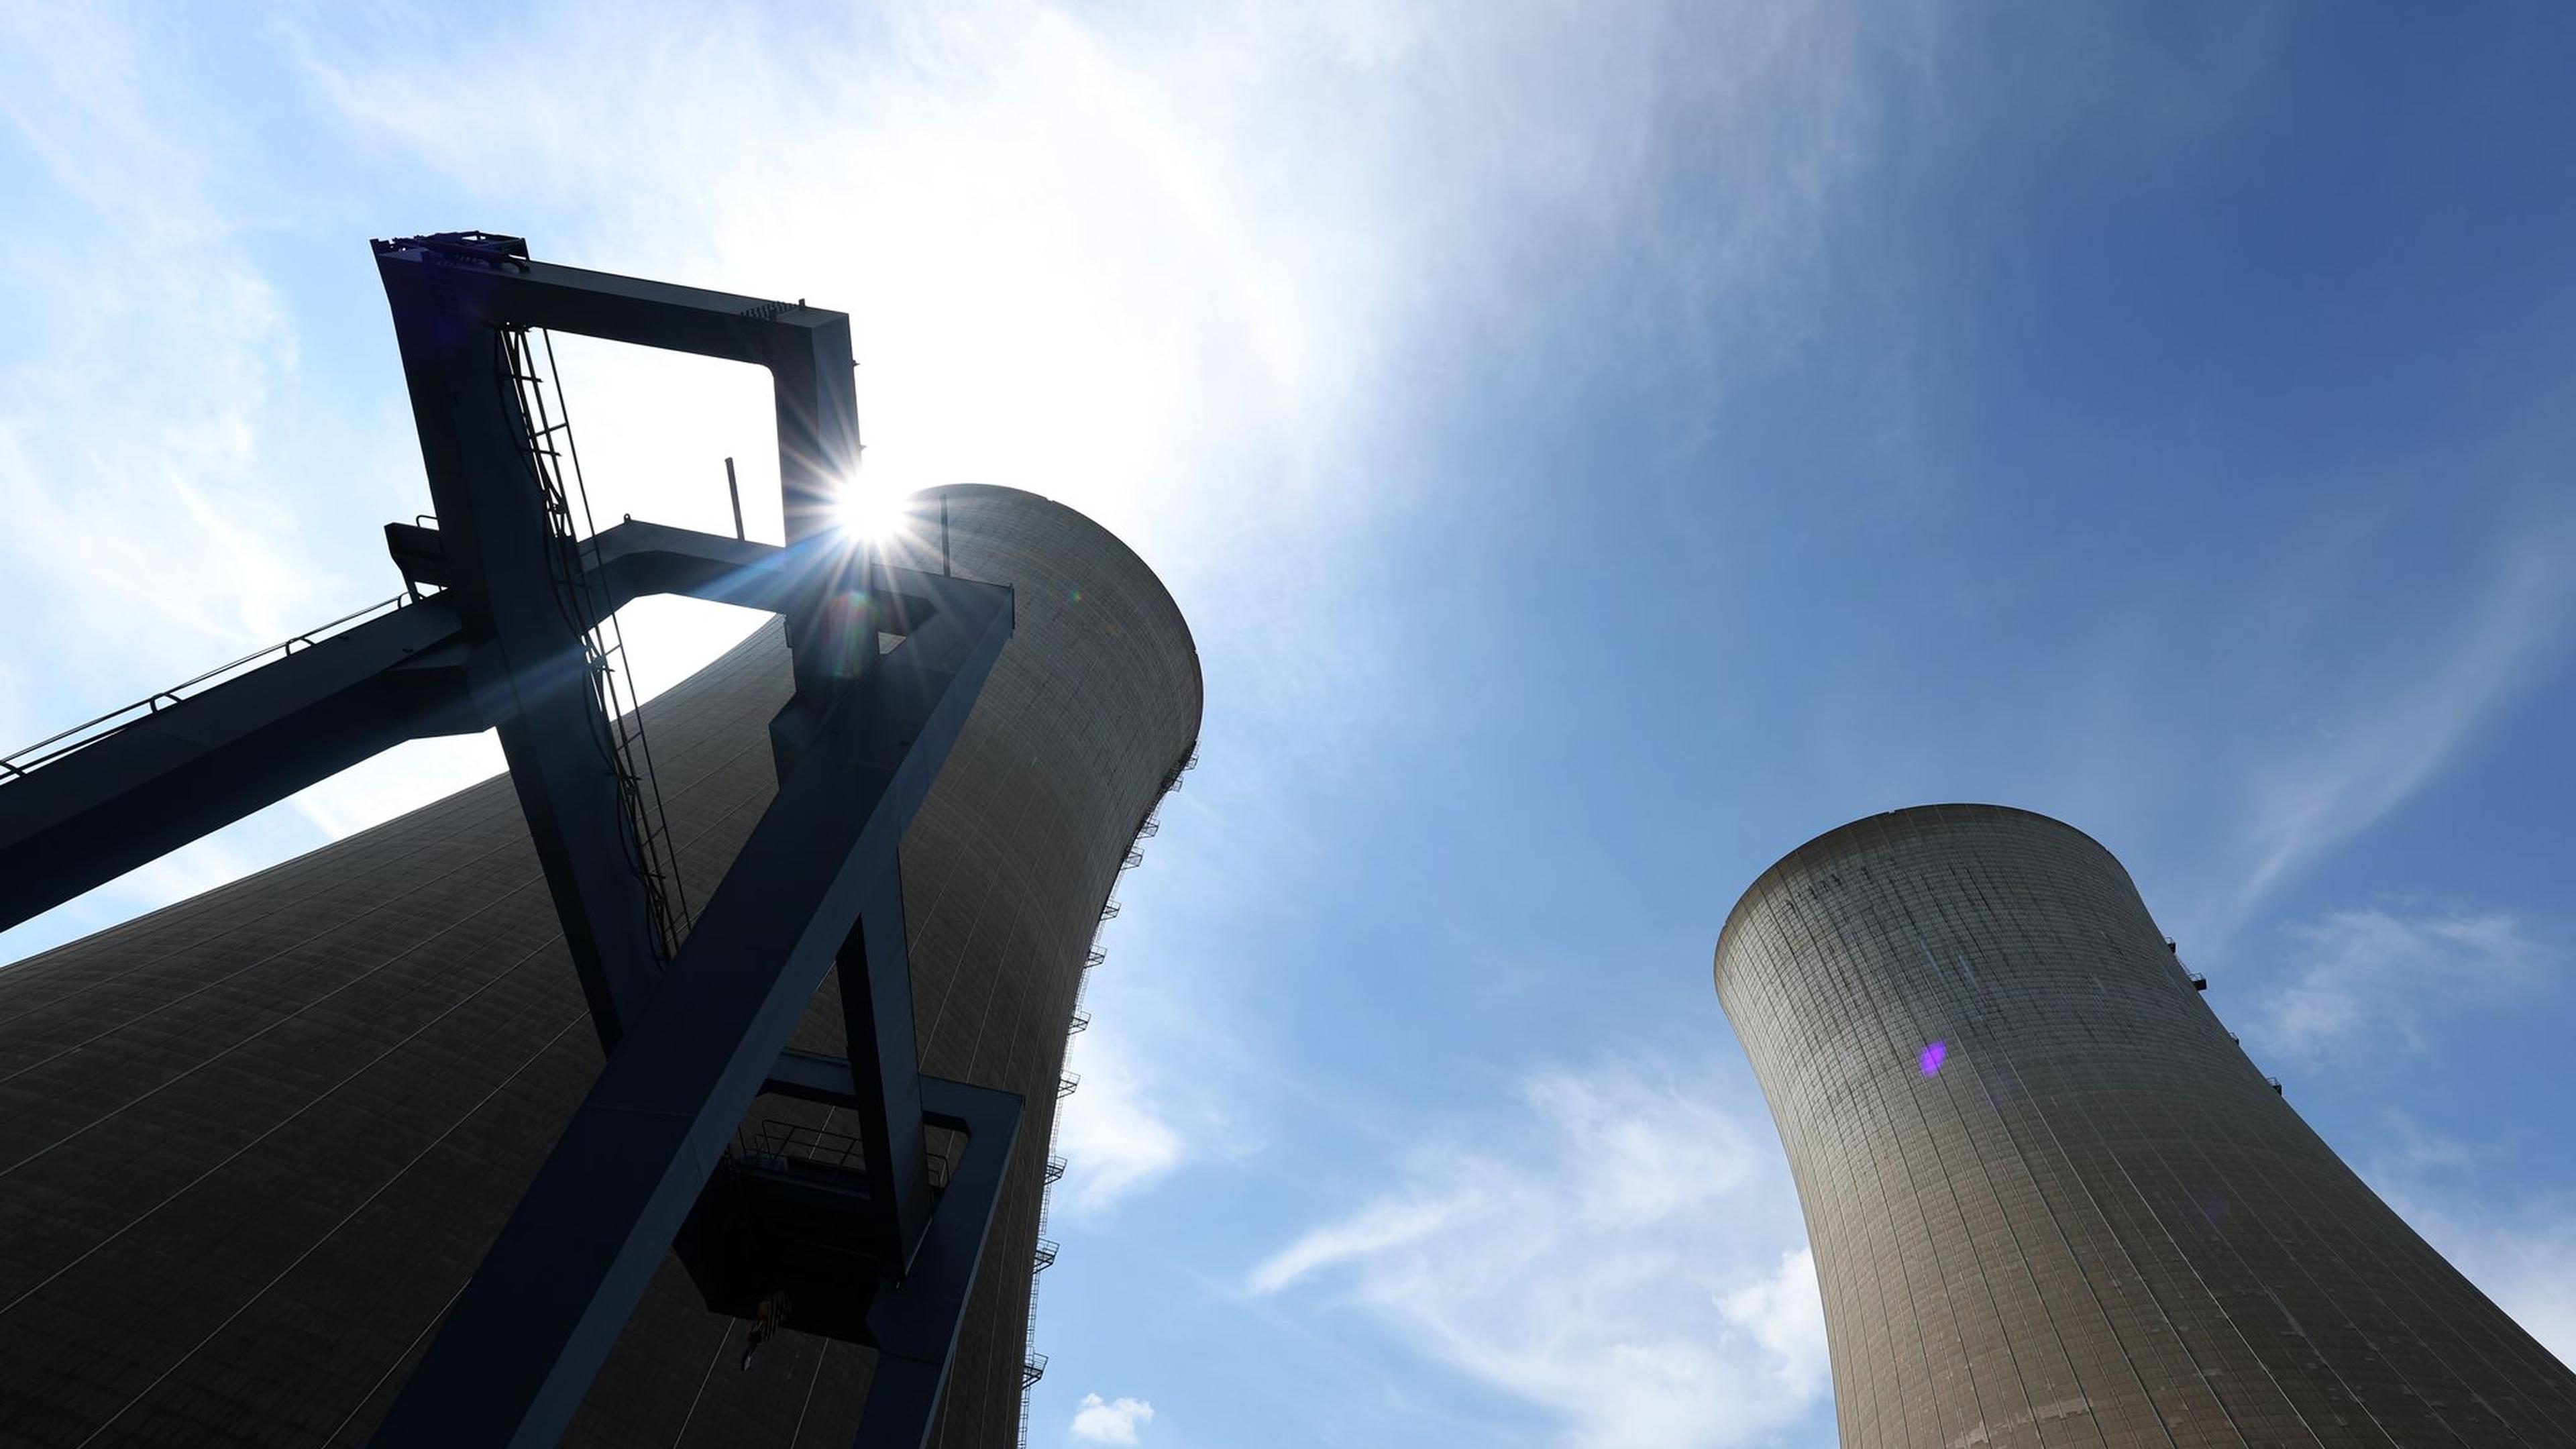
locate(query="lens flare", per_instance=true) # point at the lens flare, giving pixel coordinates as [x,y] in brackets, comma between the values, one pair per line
[871,514]
[1932,1057]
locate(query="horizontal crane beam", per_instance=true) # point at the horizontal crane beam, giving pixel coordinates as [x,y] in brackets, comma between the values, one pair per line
[193,767]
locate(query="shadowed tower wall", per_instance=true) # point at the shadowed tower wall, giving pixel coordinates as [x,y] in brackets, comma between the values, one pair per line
[252,1146]
[2051,1201]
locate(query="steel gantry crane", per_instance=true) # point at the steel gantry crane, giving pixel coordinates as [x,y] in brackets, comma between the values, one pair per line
[499,629]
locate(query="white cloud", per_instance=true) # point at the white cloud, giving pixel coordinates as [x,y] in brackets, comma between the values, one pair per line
[2377,974]
[2529,1265]
[1619,1251]
[196,867]
[1115,1138]
[1110,1421]
[401,779]
[2516,1244]
[1785,1313]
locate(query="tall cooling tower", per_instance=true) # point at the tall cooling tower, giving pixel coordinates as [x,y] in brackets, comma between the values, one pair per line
[2051,1201]
[252,1146]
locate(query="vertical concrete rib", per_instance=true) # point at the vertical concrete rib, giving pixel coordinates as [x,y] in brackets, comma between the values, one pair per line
[2107,1227]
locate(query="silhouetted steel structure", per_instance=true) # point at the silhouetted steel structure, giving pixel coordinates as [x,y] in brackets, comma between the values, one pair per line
[253,1148]
[2050,1199]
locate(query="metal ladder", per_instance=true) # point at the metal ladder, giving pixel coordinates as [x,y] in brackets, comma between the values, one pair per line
[616,717]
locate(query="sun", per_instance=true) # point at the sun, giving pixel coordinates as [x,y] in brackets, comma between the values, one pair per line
[871,514]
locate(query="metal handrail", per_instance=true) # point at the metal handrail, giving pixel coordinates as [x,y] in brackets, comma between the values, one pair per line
[778,1141]
[779,1145]
[26,761]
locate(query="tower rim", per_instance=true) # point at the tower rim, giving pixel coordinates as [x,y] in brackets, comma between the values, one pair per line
[971,489]
[1832,844]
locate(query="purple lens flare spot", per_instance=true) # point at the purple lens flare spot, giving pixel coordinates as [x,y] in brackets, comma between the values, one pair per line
[1932,1056]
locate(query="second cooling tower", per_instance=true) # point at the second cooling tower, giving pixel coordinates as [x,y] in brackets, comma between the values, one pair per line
[2051,1201]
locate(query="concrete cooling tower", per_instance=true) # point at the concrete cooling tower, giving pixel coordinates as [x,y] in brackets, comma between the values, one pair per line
[252,1147]
[2050,1199]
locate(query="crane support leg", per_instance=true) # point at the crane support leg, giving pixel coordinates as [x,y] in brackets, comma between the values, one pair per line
[513,1360]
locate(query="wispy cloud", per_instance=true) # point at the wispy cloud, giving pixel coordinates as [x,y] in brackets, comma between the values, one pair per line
[1110,1421]
[1168,272]
[1176,271]
[1615,1251]
[2419,1149]
[2388,744]
[1376,1229]
[146,531]
[2377,974]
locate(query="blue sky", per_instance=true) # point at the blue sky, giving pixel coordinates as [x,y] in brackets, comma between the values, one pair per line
[1598,447]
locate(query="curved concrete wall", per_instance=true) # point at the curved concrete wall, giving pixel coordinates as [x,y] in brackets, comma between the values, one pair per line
[2050,1199]
[252,1145]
